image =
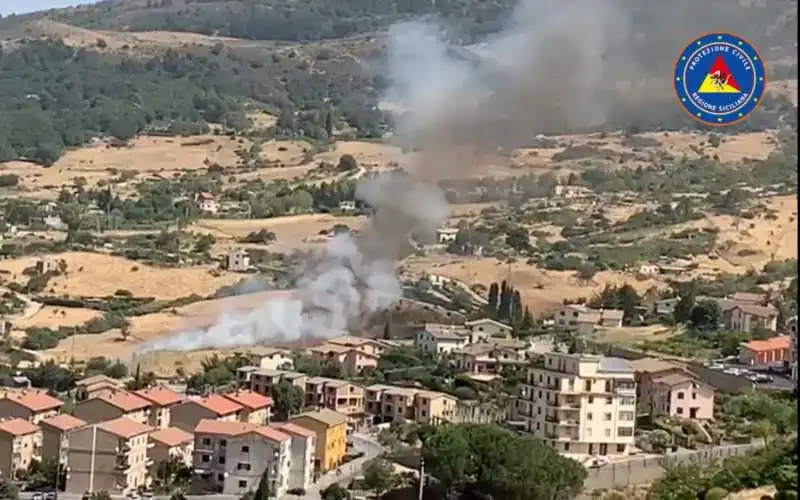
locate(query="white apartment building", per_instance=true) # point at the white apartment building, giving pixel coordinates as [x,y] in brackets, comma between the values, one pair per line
[582,404]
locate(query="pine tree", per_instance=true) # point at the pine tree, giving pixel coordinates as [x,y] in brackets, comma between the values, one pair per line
[504,309]
[516,307]
[527,322]
[263,492]
[494,297]
[387,330]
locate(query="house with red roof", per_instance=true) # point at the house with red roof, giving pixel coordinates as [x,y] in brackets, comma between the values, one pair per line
[162,400]
[304,442]
[29,404]
[55,434]
[20,441]
[112,405]
[771,351]
[169,443]
[257,408]
[189,413]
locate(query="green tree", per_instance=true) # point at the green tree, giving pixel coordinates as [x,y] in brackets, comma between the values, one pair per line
[287,400]
[705,315]
[8,491]
[347,163]
[264,490]
[494,298]
[334,492]
[683,309]
[379,476]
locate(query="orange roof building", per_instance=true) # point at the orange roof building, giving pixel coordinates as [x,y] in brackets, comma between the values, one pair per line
[21,437]
[188,414]
[17,427]
[31,405]
[112,405]
[774,350]
[124,428]
[63,422]
[171,436]
[160,396]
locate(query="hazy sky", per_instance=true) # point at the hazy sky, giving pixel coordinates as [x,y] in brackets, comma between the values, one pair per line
[23,6]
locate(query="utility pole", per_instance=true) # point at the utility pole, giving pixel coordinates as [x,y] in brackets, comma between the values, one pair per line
[421,478]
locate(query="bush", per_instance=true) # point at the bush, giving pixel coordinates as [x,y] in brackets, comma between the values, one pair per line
[716,493]
[9,180]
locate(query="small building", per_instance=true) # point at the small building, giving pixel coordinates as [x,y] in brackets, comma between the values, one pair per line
[237,261]
[248,453]
[582,317]
[32,405]
[791,326]
[681,395]
[330,429]
[188,414]
[340,396]
[109,456]
[488,327]
[304,442]
[170,443]
[95,385]
[207,203]
[162,400]
[374,347]
[275,359]
[387,403]
[487,357]
[55,435]
[257,408]
[352,359]
[766,352]
[446,235]
[571,192]
[440,342]
[20,442]
[748,317]
[114,405]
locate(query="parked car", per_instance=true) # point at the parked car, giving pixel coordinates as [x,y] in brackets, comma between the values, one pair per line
[50,495]
[597,462]
[37,496]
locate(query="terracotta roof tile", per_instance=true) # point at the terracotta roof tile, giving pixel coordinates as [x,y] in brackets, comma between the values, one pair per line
[222,427]
[160,395]
[171,436]
[17,427]
[325,416]
[35,401]
[96,379]
[124,427]
[294,429]
[272,434]
[775,343]
[63,422]
[218,404]
[124,400]
[249,399]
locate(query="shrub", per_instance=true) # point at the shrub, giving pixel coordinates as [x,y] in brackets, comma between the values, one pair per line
[716,493]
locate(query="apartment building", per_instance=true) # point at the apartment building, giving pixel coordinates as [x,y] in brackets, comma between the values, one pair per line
[375,347]
[170,442]
[188,414]
[304,442]
[682,396]
[94,386]
[489,357]
[751,317]
[440,341]
[29,404]
[112,405]
[646,371]
[275,359]
[386,403]
[585,319]
[109,456]
[488,328]
[352,359]
[162,400]
[256,408]
[249,453]
[337,395]
[330,429]
[261,380]
[230,457]
[55,435]
[582,404]
[20,442]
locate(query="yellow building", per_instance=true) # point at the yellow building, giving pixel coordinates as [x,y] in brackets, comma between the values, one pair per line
[331,430]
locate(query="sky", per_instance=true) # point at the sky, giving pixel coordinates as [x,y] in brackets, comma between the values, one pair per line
[24,6]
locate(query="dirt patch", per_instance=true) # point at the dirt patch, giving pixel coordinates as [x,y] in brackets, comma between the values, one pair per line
[96,274]
[754,494]
[634,335]
[53,317]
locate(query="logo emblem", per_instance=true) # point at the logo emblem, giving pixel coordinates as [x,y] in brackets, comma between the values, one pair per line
[720,79]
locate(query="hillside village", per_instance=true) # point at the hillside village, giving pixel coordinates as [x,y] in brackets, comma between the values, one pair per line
[605,312]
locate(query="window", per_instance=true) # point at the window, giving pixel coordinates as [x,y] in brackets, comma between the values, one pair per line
[620,448]
[538,426]
[627,401]
[566,446]
[242,484]
[587,385]
[608,432]
[241,466]
[223,442]
[220,477]
[205,458]
[206,442]
[625,431]
[626,415]
[680,395]
[591,399]
[221,460]
[608,386]
[245,449]
[694,395]
[609,401]
[589,416]
[680,410]
[607,417]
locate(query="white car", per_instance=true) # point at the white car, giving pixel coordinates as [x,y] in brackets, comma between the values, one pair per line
[597,461]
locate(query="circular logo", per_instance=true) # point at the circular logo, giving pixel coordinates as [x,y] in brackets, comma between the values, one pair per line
[720,78]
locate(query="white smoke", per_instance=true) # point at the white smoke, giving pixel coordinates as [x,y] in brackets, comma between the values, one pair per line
[541,74]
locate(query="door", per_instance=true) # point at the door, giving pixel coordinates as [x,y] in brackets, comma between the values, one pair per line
[693,413]
[604,449]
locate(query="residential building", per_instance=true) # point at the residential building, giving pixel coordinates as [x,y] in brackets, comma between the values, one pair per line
[188,414]
[352,359]
[55,435]
[95,386]
[256,408]
[20,442]
[237,261]
[330,428]
[664,307]
[387,403]
[210,450]
[337,395]
[446,235]
[585,319]
[487,357]
[749,317]
[441,342]
[275,359]
[109,456]
[582,404]
[249,453]
[167,443]
[774,350]
[304,442]
[162,400]
[646,370]
[29,404]
[206,202]
[489,326]
[756,299]
[112,405]
[680,395]
[375,347]
[261,380]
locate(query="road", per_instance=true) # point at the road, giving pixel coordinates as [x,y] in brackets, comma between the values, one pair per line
[361,442]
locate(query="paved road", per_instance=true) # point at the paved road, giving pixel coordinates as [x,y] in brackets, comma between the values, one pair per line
[361,442]
[644,470]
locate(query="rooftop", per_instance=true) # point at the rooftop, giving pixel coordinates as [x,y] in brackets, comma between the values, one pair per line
[774,343]
[483,321]
[756,310]
[63,422]
[615,365]
[171,436]
[160,395]
[272,434]
[652,365]
[222,427]
[218,404]
[17,427]
[294,429]
[33,400]
[674,379]
[96,379]
[124,427]
[325,416]
[124,400]
[249,399]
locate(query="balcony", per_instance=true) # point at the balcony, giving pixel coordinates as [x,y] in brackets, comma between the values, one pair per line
[561,436]
[625,389]
[122,464]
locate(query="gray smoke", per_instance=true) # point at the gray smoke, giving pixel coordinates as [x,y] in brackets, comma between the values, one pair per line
[548,72]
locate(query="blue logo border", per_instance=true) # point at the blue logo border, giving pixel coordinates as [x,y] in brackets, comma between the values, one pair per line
[756,94]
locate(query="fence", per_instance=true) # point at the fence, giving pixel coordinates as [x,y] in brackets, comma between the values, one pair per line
[645,470]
